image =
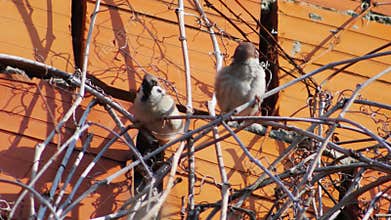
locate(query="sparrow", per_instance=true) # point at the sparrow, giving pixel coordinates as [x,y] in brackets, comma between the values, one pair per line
[241,81]
[151,105]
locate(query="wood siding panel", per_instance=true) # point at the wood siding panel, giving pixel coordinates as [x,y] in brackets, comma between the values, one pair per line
[35,115]
[38,30]
[125,44]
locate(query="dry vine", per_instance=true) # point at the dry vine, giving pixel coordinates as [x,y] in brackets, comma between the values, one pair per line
[316,163]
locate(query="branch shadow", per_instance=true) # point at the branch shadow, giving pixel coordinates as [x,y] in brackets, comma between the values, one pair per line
[105,200]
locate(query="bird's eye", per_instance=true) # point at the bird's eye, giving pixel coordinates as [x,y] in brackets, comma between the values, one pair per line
[159,91]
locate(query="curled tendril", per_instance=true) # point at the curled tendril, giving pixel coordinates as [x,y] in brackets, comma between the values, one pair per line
[341,95]
[381,119]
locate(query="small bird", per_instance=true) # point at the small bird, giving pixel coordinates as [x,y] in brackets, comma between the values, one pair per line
[151,105]
[241,81]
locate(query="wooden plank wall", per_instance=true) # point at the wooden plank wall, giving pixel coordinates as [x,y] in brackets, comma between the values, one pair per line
[131,37]
[30,108]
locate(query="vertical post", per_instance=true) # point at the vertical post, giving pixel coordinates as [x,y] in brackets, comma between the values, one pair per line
[268,46]
[78,25]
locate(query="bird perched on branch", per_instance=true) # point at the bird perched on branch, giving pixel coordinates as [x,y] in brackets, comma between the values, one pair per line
[151,105]
[241,81]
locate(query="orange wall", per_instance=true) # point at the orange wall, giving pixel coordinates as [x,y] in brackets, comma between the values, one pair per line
[126,43]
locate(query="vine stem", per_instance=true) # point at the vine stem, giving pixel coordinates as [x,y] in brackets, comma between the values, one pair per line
[211,109]
[79,97]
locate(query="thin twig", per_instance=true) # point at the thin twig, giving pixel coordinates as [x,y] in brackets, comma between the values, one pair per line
[211,108]
[51,71]
[170,183]
[323,68]
[63,208]
[73,169]
[35,193]
[220,163]
[32,182]
[354,194]
[371,206]
[340,116]
[259,164]
[180,12]
[65,160]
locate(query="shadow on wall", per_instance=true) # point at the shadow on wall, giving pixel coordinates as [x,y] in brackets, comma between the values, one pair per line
[16,163]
